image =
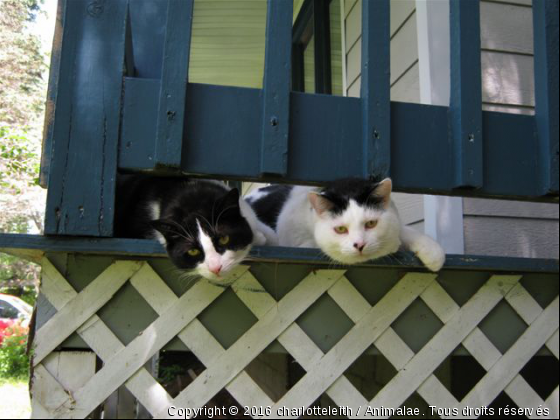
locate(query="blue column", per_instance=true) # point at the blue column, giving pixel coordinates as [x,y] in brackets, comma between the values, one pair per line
[276,88]
[376,88]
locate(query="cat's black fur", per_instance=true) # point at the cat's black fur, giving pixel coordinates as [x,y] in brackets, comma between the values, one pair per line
[181,203]
[268,208]
[341,191]
[338,192]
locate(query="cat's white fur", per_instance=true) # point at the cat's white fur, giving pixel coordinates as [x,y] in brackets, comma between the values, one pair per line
[301,224]
[217,266]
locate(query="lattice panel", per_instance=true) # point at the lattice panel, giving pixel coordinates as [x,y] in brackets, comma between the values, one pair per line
[55,395]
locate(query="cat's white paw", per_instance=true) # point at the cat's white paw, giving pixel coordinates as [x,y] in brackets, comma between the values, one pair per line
[259,239]
[431,254]
[269,235]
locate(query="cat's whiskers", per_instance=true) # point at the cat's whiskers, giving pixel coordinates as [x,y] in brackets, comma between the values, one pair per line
[190,277]
[179,234]
[188,237]
[204,219]
[222,212]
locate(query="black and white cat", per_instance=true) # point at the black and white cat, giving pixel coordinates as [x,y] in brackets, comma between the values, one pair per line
[350,220]
[204,225]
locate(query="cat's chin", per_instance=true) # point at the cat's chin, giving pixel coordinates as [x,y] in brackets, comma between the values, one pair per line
[224,277]
[351,259]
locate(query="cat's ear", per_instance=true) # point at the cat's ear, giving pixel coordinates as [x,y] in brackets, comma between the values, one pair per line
[166,227]
[231,199]
[319,202]
[383,191]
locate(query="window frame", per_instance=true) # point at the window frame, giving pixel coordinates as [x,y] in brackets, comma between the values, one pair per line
[313,21]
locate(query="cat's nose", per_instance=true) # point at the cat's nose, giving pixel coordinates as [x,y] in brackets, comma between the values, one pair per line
[359,246]
[216,269]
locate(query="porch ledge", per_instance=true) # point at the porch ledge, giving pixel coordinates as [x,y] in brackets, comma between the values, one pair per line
[33,247]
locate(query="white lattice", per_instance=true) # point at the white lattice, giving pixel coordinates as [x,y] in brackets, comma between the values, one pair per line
[55,395]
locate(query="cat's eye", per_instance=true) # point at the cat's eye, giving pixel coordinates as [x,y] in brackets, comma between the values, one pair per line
[371,224]
[341,230]
[193,252]
[224,240]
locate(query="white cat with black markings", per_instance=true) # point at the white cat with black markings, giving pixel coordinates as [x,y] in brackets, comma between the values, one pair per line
[206,228]
[350,220]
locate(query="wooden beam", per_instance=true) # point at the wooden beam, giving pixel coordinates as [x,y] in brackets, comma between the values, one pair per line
[275,123]
[27,244]
[375,88]
[81,194]
[173,92]
[465,108]
[545,27]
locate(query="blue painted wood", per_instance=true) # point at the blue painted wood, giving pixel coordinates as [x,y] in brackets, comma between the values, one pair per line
[276,88]
[81,192]
[139,120]
[465,107]
[326,143]
[129,62]
[375,88]
[176,54]
[52,94]
[545,26]
[144,248]
[148,18]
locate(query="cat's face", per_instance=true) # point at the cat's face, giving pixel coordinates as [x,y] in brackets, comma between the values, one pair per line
[211,244]
[355,220]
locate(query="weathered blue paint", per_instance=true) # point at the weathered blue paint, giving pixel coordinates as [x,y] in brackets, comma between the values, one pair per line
[326,143]
[81,192]
[329,137]
[138,126]
[276,88]
[148,36]
[144,248]
[545,26]
[129,64]
[52,94]
[176,54]
[375,88]
[465,106]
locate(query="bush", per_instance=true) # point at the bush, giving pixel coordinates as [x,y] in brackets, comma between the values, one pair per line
[26,293]
[14,361]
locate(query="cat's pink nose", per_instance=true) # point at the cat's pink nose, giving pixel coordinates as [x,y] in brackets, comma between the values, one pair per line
[359,246]
[216,269]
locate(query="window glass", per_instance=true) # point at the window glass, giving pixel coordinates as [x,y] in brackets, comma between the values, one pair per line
[317,48]
[309,66]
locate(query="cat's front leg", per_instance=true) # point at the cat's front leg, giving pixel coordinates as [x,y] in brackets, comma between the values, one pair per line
[426,249]
[264,235]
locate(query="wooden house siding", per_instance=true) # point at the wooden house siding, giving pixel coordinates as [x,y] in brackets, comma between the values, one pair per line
[496,227]
[228,42]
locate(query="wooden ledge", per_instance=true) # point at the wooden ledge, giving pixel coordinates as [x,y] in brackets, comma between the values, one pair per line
[33,247]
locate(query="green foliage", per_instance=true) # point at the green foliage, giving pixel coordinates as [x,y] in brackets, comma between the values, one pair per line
[21,64]
[15,271]
[22,97]
[169,373]
[18,158]
[14,361]
[26,293]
